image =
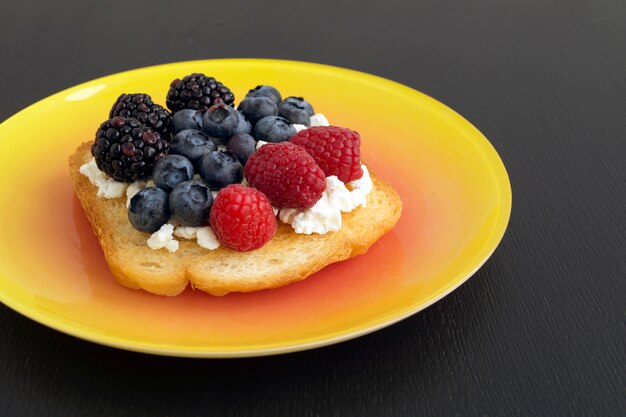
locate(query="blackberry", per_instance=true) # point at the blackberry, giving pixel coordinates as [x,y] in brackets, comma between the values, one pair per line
[126,150]
[141,107]
[197,92]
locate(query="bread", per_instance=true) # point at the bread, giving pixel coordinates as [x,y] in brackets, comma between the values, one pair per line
[287,258]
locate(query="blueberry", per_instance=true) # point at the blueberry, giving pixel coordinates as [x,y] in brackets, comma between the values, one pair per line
[186,119]
[273,129]
[241,146]
[256,108]
[243,126]
[190,203]
[265,91]
[220,121]
[294,112]
[149,209]
[300,103]
[171,170]
[219,169]
[192,144]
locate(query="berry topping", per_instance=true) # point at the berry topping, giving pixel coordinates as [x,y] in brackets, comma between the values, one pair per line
[171,171]
[197,92]
[186,119]
[265,91]
[142,108]
[242,218]
[256,108]
[192,144]
[190,203]
[127,150]
[243,126]
[149,209]
[241,146]
[287,174]
[273,129]
[336,150]
[299,103]
[295,111]
[220,121]
[219,169]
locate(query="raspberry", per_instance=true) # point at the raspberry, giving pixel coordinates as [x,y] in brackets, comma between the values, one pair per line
[287,174]
[242,218]
[336,150]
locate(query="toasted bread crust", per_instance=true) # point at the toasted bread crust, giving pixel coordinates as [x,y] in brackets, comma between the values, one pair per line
[287,258]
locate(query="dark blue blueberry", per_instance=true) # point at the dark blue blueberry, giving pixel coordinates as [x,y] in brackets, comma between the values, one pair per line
[186,119]
[192,144]
[149,209]
[171,170]
[243,126]
[190,203]
[265,91]
[241,146]
[294,112]
[220,121]
[256,108]
[219,169]
[300,103]
[273,129]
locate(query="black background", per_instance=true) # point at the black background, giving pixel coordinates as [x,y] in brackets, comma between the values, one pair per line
[539,330]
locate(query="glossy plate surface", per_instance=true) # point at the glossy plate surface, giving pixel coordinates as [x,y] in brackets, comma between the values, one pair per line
[455,189]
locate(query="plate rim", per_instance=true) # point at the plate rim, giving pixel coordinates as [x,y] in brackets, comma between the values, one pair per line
[495,162]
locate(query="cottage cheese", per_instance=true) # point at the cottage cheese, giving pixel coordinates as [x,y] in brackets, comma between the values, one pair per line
[133,189]
[163,238]
[298,127]
[205,237]
[325,215]
[359,189]
[319,120]
[316,120]
[321,218]
[186,232]
[107,187]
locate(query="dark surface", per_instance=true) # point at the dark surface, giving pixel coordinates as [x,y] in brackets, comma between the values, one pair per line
[539,330]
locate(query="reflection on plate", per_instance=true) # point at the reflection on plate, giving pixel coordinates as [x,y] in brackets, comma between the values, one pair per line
[454,187]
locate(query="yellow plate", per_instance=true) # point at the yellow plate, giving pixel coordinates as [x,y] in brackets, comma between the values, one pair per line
[455,189]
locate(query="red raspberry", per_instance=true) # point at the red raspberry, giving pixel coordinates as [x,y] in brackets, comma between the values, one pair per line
[242,218]
[336,150]
[287,174]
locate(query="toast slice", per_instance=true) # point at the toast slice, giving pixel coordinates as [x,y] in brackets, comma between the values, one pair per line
[287,258]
